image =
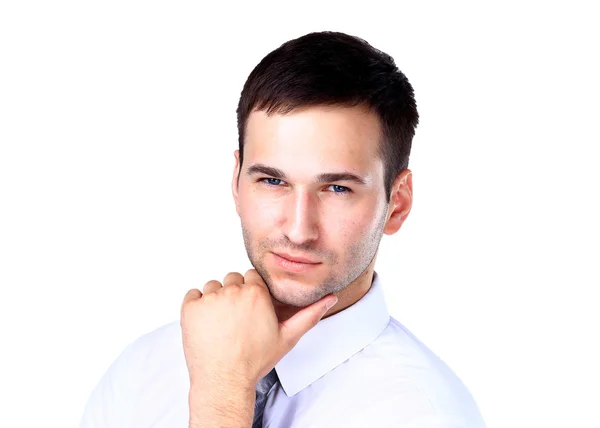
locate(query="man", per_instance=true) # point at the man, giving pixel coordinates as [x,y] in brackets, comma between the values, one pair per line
[303,340]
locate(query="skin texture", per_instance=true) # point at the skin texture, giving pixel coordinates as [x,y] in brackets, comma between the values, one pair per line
[301,217]
[235,332]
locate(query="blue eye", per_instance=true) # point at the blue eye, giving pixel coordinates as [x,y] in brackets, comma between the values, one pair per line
[273,181]
[339,189]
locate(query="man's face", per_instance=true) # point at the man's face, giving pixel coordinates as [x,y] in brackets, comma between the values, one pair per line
[311,189]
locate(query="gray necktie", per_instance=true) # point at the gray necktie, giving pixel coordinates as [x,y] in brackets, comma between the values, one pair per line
[262,390]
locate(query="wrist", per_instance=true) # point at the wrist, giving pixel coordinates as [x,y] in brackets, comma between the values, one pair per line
[207,380]
[225,404]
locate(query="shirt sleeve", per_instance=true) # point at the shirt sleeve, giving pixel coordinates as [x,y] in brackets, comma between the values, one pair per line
[109,405]
[442,421]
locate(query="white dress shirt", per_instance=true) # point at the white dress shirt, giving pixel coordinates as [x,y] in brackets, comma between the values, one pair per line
[357,368]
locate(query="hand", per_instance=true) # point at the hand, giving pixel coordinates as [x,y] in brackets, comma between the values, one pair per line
[231,334]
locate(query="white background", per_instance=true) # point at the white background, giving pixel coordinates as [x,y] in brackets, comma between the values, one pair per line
[117,132]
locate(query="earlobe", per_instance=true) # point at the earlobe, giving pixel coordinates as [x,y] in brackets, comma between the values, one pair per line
[400,202]
[235,181]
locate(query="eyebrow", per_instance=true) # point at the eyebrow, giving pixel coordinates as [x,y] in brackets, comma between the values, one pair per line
[326,177]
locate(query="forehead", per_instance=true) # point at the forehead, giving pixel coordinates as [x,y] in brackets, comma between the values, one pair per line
[315,139]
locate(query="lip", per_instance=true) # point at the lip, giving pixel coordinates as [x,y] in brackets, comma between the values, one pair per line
[296,259]
[292,265]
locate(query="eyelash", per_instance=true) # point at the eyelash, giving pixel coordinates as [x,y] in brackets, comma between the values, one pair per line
[265,180]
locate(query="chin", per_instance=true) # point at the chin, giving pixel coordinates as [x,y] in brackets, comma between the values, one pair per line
[293,292]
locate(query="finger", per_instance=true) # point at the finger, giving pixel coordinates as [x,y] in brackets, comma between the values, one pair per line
[252,276]
[211,287]
[297,326]
[193,294]
[233,278]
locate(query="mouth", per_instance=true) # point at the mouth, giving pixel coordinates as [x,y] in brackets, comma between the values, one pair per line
[294,263]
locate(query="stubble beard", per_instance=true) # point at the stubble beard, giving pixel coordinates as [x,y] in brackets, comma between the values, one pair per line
[359,256]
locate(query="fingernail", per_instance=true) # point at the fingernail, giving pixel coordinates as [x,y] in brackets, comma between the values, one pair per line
[331,302]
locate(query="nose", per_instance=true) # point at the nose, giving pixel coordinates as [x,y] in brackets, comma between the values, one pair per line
[301,225]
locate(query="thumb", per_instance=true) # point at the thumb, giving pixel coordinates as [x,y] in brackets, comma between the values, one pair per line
[297,326]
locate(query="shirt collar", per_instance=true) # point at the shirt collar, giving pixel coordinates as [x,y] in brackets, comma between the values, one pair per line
[334,340]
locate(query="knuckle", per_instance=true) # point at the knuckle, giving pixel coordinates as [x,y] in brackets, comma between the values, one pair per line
[255,290]
[231,289]
[213,284]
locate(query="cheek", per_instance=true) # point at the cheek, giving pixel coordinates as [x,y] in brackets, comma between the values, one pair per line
[256,214]
[344,229]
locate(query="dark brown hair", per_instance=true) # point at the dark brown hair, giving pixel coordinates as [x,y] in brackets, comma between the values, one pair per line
[332,68]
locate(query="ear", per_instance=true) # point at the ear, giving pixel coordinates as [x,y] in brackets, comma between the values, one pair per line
[235,180]
[400,202]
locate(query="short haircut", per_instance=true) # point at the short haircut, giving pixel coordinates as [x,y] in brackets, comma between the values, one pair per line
[332,68]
